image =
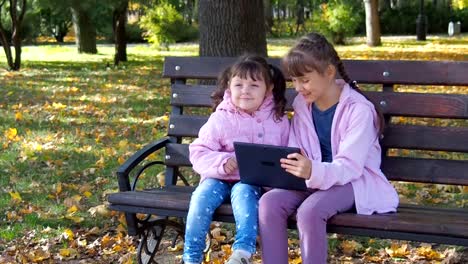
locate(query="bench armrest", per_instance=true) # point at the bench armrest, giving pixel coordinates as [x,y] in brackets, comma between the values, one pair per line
[124,170]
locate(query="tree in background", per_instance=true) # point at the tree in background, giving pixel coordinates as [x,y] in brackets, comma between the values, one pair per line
[267,4]
[16,10]
[85,31]
[119,20]
[231,27]
[165,25]
[55,18]
[337,20]
[372,23]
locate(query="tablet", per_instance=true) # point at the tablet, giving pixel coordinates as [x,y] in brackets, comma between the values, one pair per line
[260,165]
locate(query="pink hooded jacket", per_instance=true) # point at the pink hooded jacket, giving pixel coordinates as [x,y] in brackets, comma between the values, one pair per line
[355,149]
[214,145]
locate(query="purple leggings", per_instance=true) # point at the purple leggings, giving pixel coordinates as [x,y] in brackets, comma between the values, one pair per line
[312,208]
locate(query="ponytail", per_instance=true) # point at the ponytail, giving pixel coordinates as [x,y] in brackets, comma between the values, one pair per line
[279,88]
[222,84]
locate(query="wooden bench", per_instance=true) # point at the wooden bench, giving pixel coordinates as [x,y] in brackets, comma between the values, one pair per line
[411,222]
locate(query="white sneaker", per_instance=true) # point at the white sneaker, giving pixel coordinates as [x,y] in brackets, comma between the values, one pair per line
[237,258]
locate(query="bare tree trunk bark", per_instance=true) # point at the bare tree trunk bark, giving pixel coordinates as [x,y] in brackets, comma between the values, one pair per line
[268,15]
[119,22]
[372,23]
[232,27]
[84,29]
[16,38]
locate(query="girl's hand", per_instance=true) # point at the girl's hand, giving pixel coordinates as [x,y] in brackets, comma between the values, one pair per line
[298,165]
[230,166]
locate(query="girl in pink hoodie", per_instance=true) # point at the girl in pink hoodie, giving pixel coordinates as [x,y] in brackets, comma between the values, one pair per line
[338,130]
[249,107]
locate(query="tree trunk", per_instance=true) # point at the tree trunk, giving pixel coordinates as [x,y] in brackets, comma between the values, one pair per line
[231,27]
[119,21]
[16,38]
[84,29]
[299,14]
[385,4]
[372,23]
[189,11]
[268,15]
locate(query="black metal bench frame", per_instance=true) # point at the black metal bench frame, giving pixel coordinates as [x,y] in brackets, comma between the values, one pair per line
[411,222]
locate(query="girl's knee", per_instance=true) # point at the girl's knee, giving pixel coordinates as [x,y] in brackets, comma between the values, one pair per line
[245,191]
[308,215]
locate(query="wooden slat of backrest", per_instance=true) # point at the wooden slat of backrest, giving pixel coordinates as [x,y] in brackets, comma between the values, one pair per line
[185,125]
[426,138]
[396,136]
[395,168]
[391,103]
[421,105]
[381,71]
[426,170]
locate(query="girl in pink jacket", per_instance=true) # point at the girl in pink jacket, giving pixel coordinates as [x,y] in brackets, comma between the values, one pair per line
[338,130]
[249,107]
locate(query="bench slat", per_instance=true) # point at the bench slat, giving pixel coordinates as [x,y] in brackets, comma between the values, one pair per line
[397,104]
[426,170]
[395,168]
[438,221]
[426,138]
[399,72]
[396,136]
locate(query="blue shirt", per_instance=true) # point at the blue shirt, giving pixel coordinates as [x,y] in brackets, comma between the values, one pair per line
[323,122]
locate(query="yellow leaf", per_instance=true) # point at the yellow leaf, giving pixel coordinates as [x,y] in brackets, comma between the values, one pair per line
[82,243]
[101,162]
[68,234]
[396,251]
[58,106]
[107,241]
[99,210]
[68,253]
[349,247]
[295,261]
[58,189]
[121,160]
[18,116]
[74,218]
[177,248]
[38,255]
[12,134]
[123,144]
[16,197]
[161,178]
[428,253]
[87,194]
[72,209]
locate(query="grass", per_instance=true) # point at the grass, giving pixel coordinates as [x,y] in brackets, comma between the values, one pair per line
[67,121]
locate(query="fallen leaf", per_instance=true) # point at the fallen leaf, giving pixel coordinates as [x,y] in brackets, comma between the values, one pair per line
[15,196]
[396,251]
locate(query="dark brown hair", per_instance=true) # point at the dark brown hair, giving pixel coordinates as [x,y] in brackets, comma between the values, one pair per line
[254,67]
[313,52]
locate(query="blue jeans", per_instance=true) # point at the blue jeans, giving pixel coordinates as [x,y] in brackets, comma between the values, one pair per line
[208,196]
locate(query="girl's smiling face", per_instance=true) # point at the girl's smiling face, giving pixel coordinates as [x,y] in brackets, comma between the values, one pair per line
[313,85]
[247,93]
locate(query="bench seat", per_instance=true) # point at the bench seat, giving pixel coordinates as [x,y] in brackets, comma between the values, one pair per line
[442,225]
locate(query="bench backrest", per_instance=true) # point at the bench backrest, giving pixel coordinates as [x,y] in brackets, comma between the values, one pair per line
[426,137]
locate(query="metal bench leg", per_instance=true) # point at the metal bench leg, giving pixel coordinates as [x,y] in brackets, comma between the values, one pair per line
[151,239]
